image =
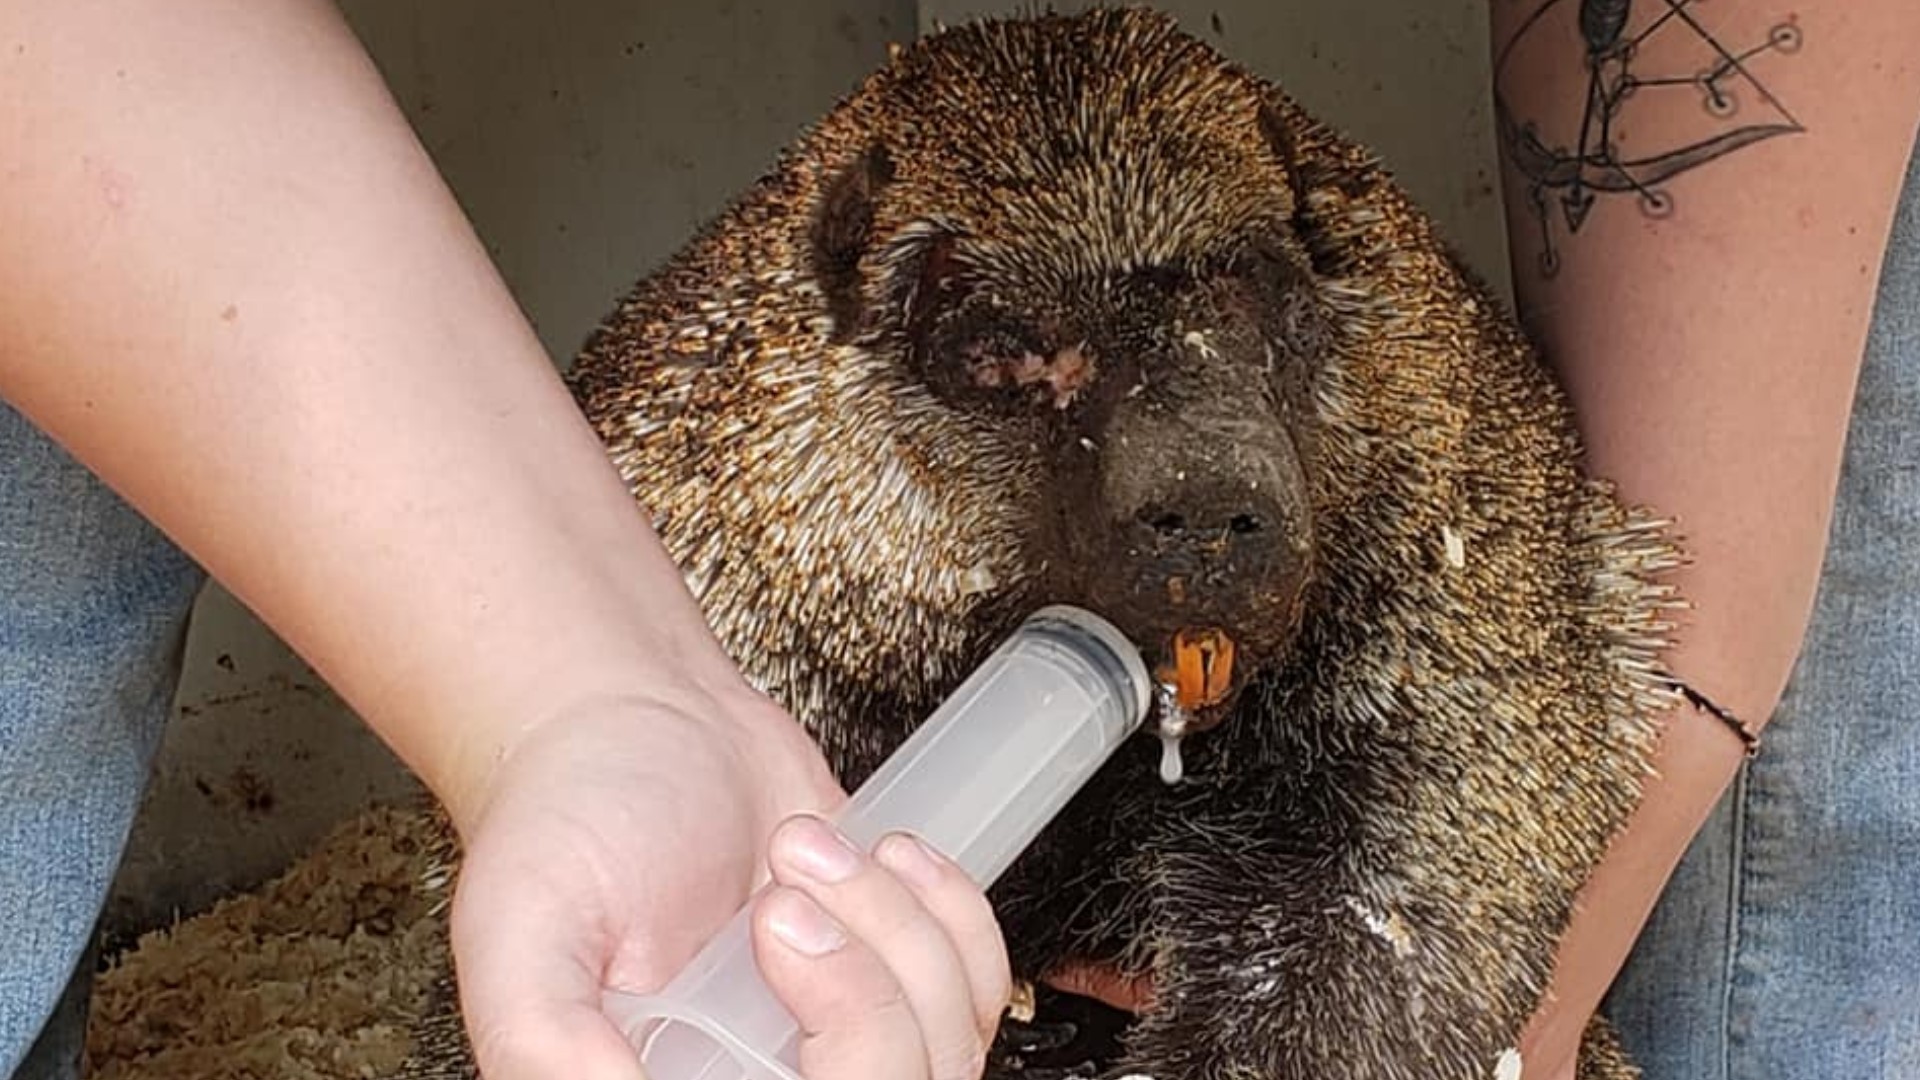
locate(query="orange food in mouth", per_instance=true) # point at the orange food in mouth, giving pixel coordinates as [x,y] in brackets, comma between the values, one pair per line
[1202,670]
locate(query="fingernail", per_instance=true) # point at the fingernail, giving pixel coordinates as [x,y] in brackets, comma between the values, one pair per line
[795,919]
[911,858]
[819,851]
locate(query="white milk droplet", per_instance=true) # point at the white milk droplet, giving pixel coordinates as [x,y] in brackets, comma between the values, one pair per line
[1172,768]
[1509,1065]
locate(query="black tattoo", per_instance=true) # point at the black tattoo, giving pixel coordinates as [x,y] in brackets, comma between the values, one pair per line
[1609,40]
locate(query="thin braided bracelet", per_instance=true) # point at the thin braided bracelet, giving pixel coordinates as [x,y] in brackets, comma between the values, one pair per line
[1707,705]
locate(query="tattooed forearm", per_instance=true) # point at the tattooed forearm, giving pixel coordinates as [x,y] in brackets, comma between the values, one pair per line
[1636,60]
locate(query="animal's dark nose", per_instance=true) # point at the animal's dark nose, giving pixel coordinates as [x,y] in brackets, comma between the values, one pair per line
[1212,528]
[1176,524]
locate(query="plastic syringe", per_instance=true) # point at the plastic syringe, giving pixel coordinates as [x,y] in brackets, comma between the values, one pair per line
[977,780]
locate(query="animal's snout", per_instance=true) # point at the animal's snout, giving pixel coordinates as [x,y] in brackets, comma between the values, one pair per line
[1209,489]
[1199,517]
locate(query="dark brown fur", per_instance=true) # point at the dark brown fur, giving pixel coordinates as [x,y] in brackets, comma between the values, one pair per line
[1366,873]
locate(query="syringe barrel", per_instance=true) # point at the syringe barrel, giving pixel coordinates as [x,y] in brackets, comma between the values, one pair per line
[977,780]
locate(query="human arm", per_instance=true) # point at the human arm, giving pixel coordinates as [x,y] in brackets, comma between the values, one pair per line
[1710,350]
[232,283]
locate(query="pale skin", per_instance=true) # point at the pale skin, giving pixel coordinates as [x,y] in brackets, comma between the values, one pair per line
[1711,356]
[232,283]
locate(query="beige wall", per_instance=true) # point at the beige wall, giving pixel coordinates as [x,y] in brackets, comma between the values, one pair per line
[587,139]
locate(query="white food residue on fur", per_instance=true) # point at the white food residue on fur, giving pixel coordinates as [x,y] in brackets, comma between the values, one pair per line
[977,579]
[1199,342]
[1455,545]
[1509,1065]
[1390,928]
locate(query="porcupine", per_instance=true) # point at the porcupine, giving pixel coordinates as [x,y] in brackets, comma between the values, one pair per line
[1071,308]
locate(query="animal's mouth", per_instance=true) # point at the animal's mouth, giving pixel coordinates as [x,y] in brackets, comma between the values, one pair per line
[1197,679]
[1198,673]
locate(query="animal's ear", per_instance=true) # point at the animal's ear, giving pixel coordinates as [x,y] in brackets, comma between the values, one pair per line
[1331,178]
[842,231]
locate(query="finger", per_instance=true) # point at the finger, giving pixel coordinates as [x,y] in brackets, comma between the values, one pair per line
[880,911]
[529,995]
[958,903]
[854,1018]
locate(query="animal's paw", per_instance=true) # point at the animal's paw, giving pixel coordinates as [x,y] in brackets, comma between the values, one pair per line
[1063,1037]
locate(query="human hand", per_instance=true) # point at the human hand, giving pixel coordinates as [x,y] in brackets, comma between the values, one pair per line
[616,840]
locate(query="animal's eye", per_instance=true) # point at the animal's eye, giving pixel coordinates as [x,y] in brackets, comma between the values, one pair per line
[1039,372]
[1275,282]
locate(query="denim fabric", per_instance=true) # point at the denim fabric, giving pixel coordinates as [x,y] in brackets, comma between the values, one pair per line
[1787,946]
[93,611]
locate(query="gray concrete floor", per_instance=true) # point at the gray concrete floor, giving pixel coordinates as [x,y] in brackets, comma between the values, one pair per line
[587,140]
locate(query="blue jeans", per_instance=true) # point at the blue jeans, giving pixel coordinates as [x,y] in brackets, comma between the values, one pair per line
[1788,943]
[1786,948]
[93,611]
